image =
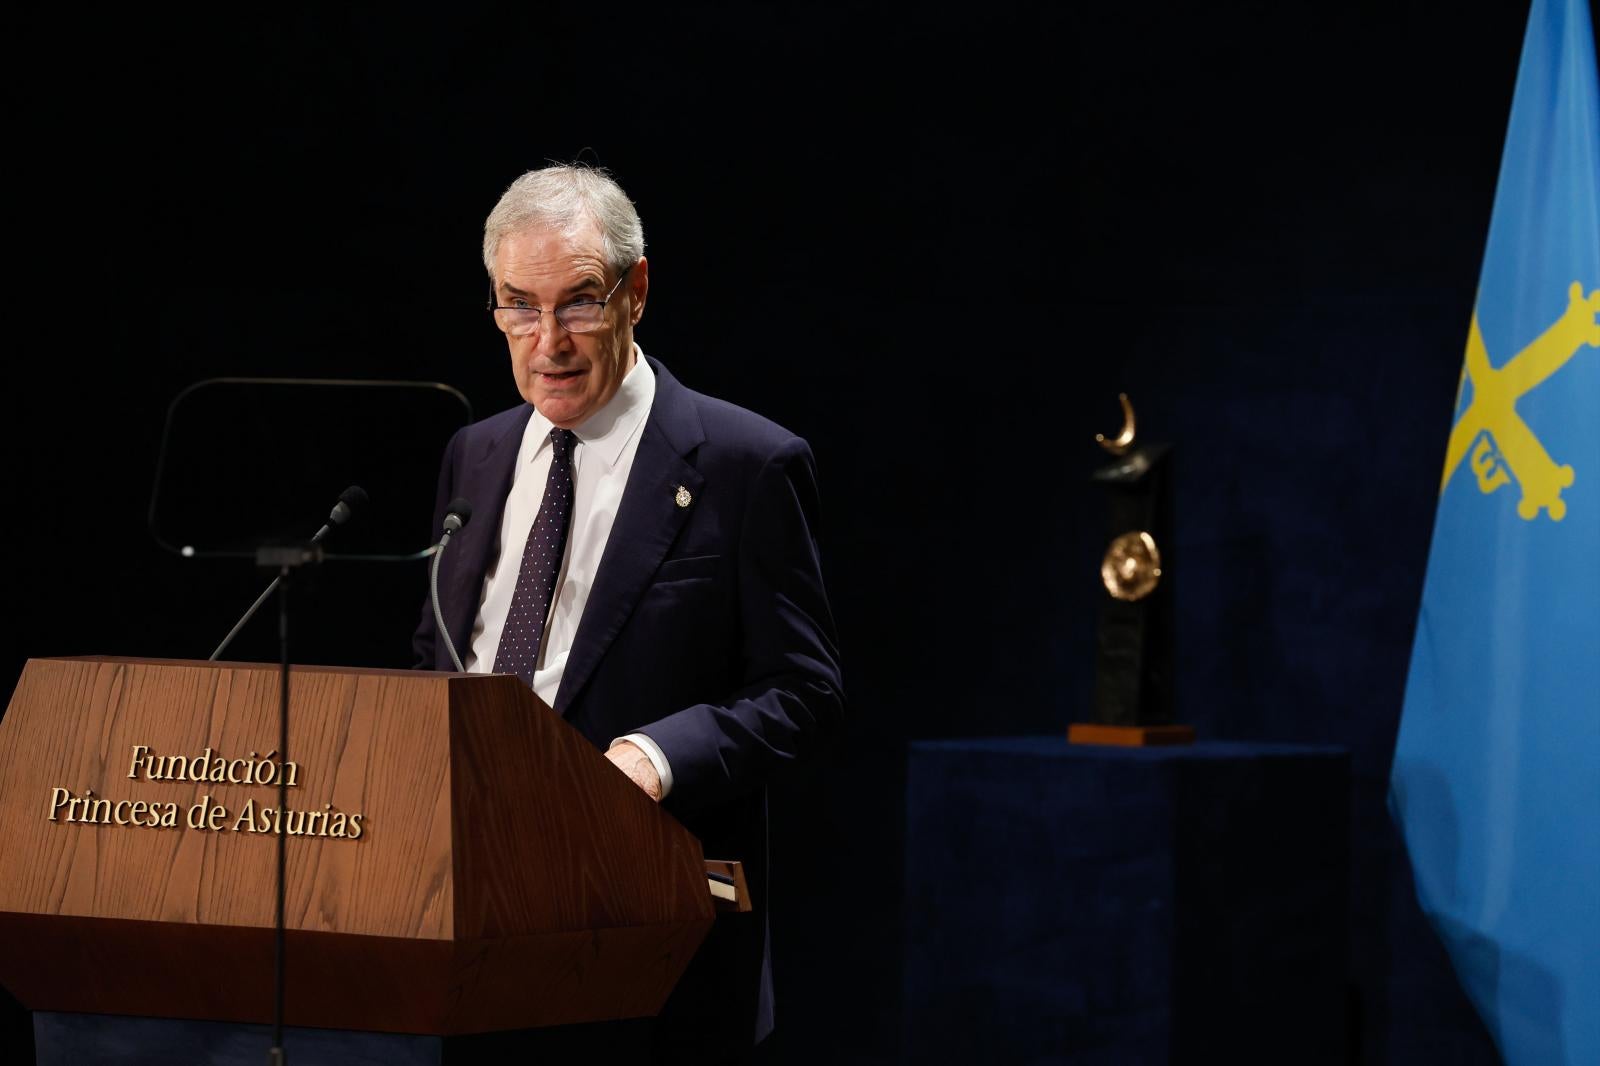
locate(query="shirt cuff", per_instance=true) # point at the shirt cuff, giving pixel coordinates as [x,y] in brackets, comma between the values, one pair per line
[653,752]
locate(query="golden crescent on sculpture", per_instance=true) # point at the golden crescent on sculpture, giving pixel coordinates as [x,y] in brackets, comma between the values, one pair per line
[1119,444]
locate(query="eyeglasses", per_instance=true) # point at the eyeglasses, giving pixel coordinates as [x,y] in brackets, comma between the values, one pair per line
[580,316]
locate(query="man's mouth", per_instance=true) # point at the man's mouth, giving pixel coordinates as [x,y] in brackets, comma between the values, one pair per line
[558,377]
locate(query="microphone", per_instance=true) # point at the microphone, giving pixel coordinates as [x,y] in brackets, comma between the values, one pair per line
[352,501]
[456,515]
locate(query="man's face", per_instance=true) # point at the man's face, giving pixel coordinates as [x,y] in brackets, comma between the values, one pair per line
[567,376]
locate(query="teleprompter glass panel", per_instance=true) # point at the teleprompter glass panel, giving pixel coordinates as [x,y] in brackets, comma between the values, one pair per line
[247,462]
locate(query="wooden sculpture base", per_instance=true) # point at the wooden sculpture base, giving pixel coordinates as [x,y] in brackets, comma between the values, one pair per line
[1130,736]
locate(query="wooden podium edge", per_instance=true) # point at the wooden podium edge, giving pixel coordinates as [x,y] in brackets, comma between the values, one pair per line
[1130,736]
[466,986]
[225,973]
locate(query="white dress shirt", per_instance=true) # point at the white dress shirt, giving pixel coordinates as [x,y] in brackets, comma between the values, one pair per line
[606,444]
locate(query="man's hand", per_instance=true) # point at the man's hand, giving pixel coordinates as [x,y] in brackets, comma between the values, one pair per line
[631,760]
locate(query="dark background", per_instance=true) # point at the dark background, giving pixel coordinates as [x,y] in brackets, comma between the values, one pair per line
[936,245]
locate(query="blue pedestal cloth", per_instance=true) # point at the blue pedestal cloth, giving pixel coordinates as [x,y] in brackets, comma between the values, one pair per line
[1070,903]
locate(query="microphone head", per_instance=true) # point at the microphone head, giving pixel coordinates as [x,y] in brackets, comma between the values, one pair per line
[352,501]
[457,515]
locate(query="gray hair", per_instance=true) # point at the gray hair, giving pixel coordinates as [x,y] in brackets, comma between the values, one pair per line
[567,197]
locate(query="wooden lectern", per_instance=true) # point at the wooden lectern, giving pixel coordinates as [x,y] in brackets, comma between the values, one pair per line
[460,860]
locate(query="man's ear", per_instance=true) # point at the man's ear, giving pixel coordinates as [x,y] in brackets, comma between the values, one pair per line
[639,288]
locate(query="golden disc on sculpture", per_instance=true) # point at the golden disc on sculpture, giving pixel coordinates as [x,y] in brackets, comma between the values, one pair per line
[1131,568]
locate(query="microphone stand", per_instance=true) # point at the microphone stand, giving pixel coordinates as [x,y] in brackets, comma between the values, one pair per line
[287,560]
[351,500]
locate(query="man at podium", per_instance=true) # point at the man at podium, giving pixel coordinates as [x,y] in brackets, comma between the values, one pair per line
[645,558]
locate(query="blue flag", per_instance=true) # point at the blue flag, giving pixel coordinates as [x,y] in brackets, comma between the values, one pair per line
[1496,780]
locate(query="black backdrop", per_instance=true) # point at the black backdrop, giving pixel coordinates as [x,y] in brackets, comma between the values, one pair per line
[936,245]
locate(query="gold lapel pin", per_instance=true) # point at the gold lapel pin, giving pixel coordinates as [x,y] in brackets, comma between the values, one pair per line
[683,499]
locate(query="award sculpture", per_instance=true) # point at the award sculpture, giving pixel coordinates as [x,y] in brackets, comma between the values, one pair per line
[1133,681]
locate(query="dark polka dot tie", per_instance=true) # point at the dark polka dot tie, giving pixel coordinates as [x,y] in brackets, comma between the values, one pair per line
[541,563]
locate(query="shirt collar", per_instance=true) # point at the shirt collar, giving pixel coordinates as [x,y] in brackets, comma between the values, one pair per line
[607,432]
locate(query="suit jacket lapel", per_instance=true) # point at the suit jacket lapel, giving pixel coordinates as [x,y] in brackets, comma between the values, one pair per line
[486,483]
[647,523]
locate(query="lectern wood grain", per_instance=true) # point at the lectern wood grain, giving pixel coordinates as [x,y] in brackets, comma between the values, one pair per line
[504,875]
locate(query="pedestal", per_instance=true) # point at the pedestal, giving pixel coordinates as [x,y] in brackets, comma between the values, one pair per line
[1123,905]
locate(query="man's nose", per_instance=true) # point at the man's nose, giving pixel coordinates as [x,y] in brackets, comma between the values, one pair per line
[549,338]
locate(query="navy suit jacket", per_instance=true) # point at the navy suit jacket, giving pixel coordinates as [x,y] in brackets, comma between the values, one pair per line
[707,629]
